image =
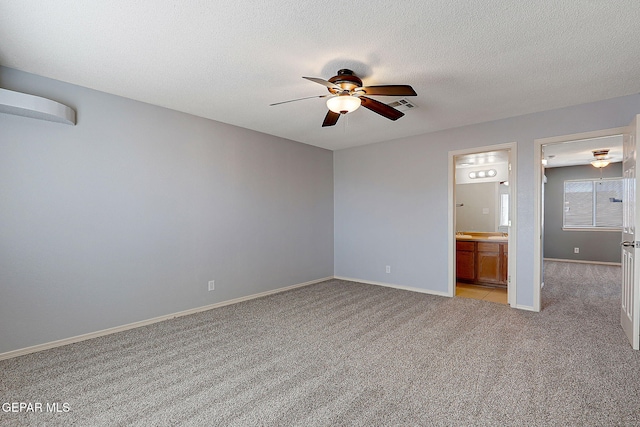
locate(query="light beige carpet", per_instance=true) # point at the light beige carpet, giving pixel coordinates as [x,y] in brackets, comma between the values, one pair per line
[343,353]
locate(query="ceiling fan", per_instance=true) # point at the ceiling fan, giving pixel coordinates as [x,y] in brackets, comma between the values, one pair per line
[601,158]
[346,94]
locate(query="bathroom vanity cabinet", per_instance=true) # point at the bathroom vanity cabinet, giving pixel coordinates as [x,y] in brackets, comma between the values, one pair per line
[482,261]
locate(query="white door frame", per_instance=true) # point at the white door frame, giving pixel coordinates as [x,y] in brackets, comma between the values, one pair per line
[513,215]
[537,196]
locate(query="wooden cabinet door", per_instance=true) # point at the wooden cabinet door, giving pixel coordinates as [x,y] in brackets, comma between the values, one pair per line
[465,265]
[488,263]
[465,261]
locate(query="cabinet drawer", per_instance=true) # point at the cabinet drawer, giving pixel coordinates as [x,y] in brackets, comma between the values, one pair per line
[465,246]
[488,247]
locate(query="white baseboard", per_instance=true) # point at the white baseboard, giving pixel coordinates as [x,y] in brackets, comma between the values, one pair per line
[391,285]
[583,262]
[83,337]
[424,291]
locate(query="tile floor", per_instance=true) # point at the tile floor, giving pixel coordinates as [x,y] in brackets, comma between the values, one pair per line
[484,293]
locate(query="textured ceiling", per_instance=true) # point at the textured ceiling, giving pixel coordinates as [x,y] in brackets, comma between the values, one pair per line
[469,61]
[581,152]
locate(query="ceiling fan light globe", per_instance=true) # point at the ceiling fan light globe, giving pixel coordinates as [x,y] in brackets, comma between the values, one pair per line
[343,104]
[600,163]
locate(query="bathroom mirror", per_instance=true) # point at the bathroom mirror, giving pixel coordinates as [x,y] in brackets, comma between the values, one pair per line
[482,207]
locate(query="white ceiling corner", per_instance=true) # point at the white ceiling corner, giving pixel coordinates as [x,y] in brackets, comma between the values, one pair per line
[469,62]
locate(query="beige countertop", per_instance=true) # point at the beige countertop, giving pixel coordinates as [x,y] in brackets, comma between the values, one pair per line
[478,237]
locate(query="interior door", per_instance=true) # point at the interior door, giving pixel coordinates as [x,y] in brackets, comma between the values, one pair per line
[630,304]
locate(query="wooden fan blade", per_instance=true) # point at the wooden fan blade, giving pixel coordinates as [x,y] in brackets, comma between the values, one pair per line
[324,83]
[389,90]
[380,108]
[330,119]
[299,99]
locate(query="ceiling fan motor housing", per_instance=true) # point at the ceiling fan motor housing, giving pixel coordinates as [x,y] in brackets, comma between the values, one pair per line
[346,80]
[600,154]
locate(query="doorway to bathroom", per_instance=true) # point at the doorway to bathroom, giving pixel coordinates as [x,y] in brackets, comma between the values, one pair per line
[482,211]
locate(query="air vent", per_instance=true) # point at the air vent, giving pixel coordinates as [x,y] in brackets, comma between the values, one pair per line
[402,104]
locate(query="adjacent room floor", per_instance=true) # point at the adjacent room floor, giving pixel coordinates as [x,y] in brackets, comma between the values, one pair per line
[485,293]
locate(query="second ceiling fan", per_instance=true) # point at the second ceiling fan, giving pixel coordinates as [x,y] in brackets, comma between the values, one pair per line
[346,94]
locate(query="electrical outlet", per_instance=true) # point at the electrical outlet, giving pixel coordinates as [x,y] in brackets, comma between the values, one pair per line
[576,250]
[388,269]
[212,285]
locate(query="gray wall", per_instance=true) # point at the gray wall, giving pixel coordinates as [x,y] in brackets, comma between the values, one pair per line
[603,246]
[127,215]
[391,198]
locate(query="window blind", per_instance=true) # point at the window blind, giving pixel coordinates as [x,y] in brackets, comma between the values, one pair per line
[593,203]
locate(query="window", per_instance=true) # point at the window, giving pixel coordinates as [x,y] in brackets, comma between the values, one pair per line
[593,204]
[504,210]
